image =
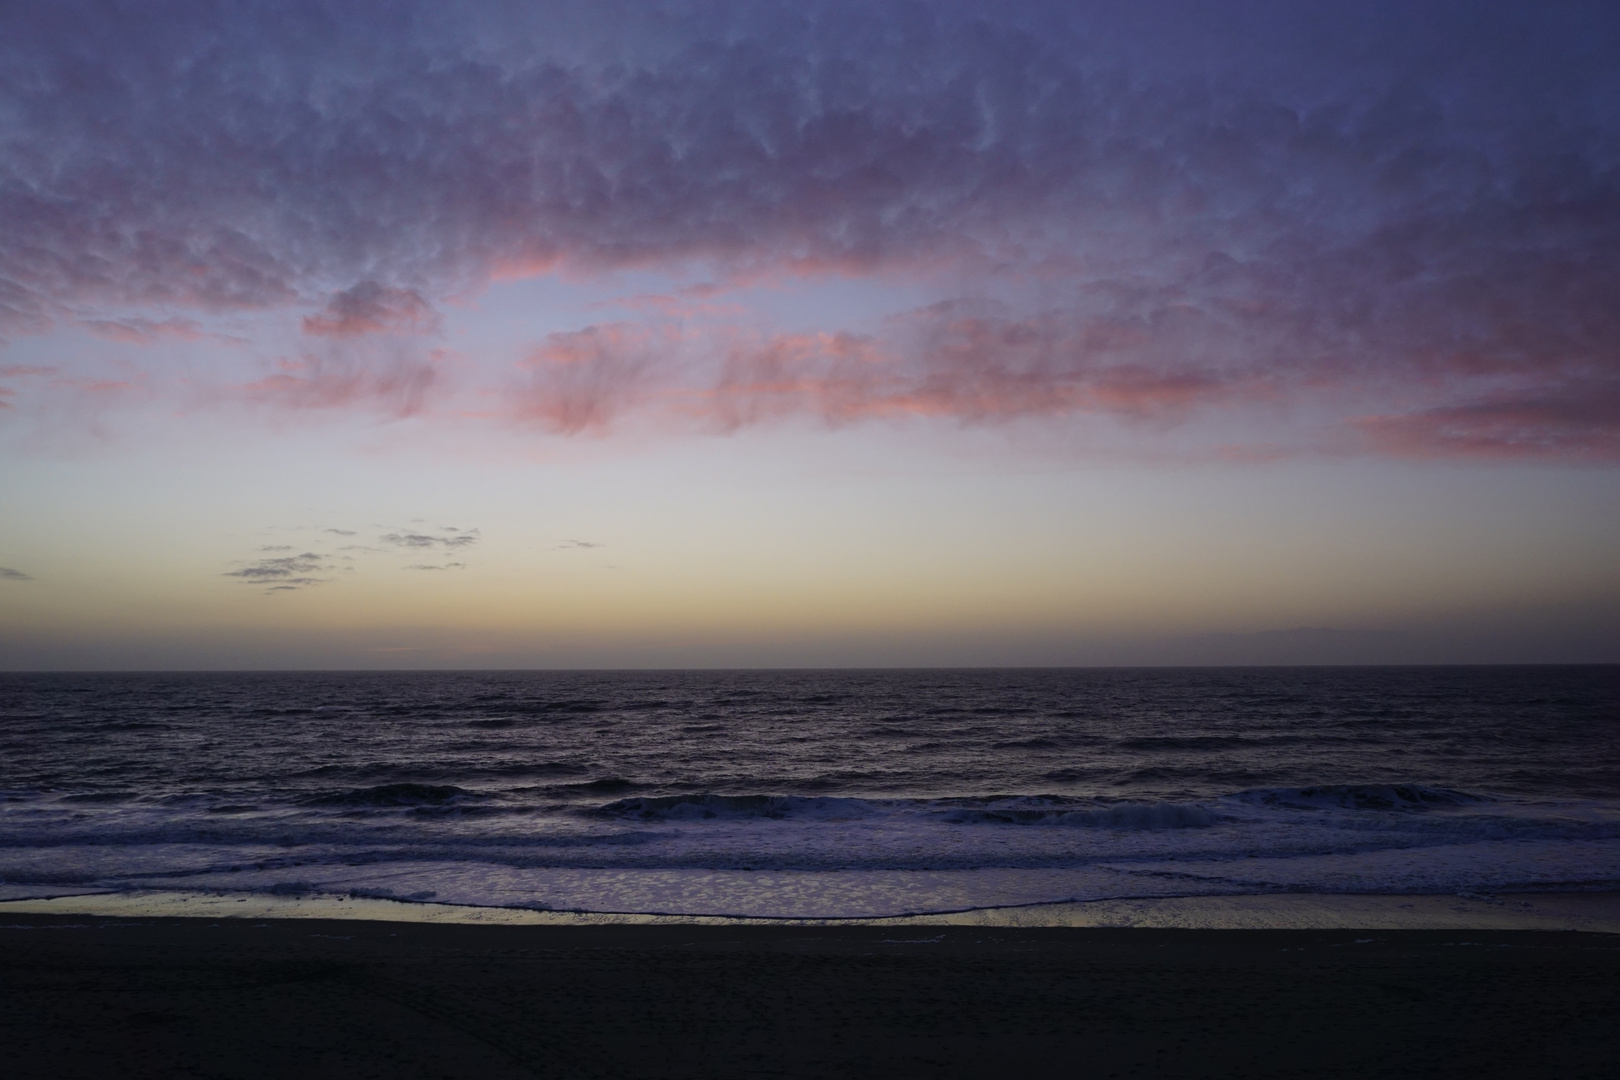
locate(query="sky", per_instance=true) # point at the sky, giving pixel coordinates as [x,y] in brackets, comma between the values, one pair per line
[498,334]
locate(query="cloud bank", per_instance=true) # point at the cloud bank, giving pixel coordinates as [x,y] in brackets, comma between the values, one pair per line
[1404,218]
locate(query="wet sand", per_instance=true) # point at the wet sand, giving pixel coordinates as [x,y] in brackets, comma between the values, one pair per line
[1588,911]
[90,996]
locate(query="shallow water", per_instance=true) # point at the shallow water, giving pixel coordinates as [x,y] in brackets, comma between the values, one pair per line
[813,793]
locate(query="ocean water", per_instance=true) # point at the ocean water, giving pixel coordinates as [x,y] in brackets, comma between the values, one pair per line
[812,793]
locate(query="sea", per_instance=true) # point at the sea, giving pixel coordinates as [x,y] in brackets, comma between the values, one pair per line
[811,794]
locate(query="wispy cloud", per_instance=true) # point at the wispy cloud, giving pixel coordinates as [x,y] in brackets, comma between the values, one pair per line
[396,383]
[370,308]
[283,573]
[452,539]
[8,574]
[580,381]
[18,371]
[135,330]
[1574,422]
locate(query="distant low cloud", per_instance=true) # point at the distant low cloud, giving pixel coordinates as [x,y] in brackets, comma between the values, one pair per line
[287,573]
[570,545]
[8,574]
[283,567]
[456,539]
[283,573]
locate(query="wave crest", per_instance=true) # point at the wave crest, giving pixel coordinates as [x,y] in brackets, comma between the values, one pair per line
[1122,816]
[708,807]
[996,811]
[395,795]
[1395,797]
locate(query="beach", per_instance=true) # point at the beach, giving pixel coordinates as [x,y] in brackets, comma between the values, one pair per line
[91,996]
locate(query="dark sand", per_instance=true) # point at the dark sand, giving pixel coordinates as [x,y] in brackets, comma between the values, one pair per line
[90,997]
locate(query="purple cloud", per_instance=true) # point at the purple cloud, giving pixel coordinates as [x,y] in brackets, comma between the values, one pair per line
[370,308]
[1575,423]
[1177,206]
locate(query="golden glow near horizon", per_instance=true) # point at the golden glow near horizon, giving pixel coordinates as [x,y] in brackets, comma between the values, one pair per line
[751,550]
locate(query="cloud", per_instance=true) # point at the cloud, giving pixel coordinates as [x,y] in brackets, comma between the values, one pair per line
[140,331]
[1571,423]
[398,384]
[370,308]
[1186,206]
[979,365]
[581,380]
[282,573]
[459,540]
[8,574]
[574,545]
[974,363]
[16,371]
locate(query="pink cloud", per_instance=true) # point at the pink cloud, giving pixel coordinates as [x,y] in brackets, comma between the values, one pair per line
[17,371]
[839,377]
[582,380]
[1568,423]
[692,303]
[975,369]
[145,332]
[972,370]
[398,386]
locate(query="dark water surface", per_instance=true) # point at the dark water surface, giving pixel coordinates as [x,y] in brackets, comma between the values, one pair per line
[812,792]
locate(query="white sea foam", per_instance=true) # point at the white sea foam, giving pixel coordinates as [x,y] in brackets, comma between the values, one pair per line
[830,857]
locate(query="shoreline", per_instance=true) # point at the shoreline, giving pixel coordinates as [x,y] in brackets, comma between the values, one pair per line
[1593,912]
